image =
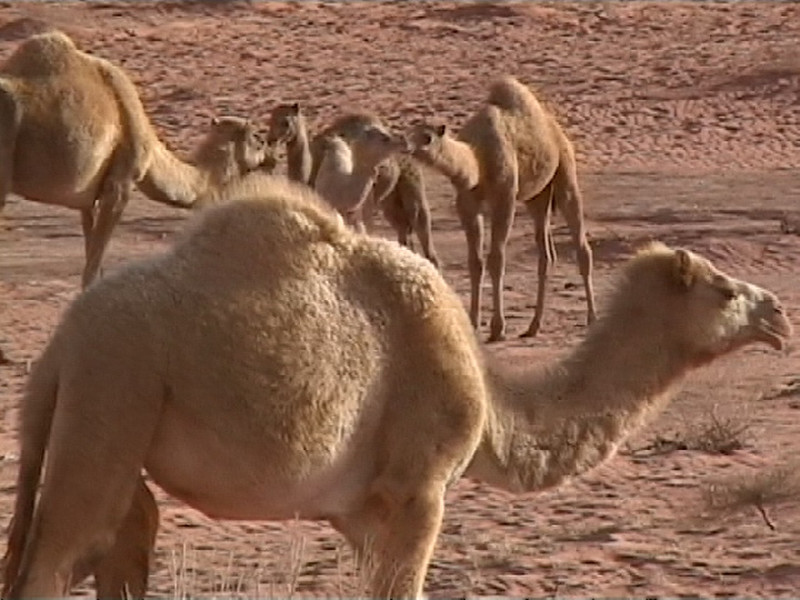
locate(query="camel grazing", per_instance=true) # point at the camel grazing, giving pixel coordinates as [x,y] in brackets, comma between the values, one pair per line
[74,133]
[348,170]
[398,189]
[271,381]
[511,149]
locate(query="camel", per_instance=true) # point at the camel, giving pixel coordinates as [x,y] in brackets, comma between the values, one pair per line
[278,387]
[287,125]
[348,170]
[511,149]
[398,188]
[74,133]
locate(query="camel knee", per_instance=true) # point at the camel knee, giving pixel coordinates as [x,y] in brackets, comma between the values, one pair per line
[476,265]
[394,534]
[496,262]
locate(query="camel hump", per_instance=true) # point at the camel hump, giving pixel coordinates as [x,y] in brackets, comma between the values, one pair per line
[508,93]
[41,54]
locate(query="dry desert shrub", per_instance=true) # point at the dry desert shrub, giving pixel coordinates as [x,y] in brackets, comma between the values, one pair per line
[714,434]
[779,485]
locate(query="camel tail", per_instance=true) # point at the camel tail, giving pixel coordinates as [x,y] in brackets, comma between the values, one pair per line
[37,417]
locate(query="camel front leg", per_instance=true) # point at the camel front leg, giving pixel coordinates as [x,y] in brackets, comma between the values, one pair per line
[502,220]
[394,536]
[10,117]
[472,223]
[367,217]
[570,202]
[112,202]
[540,208]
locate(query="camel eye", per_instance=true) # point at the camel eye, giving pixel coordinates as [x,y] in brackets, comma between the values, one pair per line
[727,292]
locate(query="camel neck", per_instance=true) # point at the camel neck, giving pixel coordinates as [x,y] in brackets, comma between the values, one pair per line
[171,181]
[458,162]
[546,427]
[298,155]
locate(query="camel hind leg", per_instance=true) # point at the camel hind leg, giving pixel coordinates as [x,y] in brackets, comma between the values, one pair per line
[113,200]
[91,478]
[124,570]
[569,201]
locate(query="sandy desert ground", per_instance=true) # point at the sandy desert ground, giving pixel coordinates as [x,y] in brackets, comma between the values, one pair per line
[686,117]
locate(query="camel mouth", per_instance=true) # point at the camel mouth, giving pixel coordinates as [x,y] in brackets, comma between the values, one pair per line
[775,331]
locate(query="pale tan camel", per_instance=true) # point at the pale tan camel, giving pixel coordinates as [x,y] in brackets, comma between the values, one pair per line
[287,125]
[398,189]
[279,387]
[511,149]
[74,133]
[348,169]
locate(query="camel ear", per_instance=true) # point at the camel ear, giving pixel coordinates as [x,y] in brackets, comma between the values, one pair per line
[214,121]
[684,268]
[441,130]
[295,108]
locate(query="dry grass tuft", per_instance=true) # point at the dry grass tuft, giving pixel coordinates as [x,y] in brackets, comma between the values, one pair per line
[714,434]
[777,486]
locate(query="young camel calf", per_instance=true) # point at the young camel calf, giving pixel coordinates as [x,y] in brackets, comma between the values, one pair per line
[271,380]
[512,149]
[347,171]
[398,187]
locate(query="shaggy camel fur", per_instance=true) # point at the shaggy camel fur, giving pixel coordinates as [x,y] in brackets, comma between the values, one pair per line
[74,133]
[398,189]
[278,387]
[348,170]
[511,149]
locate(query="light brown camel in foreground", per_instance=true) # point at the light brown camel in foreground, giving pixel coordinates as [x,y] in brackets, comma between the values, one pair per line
[279,387]
[511,149]
[348,169]
[398,189]
[74,133]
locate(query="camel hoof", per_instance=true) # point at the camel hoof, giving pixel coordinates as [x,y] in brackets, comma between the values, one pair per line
[496,337]
[530,332]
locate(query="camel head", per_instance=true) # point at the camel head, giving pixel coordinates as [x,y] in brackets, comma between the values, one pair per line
[236,137]
[284,123]
[374,144]
[696,307]
[425,140]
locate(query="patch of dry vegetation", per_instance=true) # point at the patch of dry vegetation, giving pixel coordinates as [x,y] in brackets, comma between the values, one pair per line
[714,434]
[758,490]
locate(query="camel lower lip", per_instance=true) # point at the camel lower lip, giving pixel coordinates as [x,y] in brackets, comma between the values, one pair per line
[773,337]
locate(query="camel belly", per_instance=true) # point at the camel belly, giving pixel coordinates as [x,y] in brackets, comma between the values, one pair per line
[247,480]
[55,168]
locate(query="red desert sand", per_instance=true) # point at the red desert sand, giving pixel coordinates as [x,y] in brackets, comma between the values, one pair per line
[686,121]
